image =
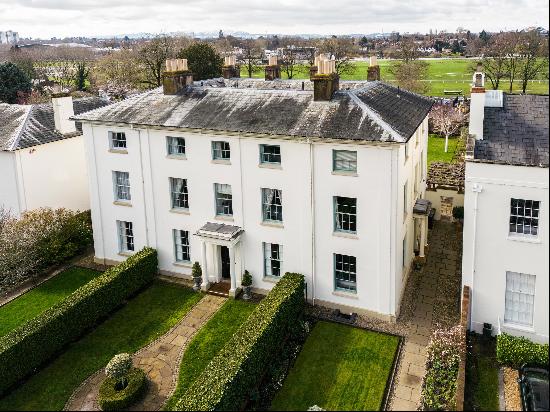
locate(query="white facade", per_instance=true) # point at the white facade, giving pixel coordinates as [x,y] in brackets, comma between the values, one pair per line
[492,253]
[308,184]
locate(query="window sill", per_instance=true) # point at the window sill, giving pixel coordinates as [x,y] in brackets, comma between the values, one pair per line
[519,328]
[118,151]
[126,254]
[176,157]
[225,218]
[342,294]
[347,235]
[276,166]
[272,224]
[220,162]
[182,264]
[344,173]
[271,279]
[180,211]
[525,239]
[122,203]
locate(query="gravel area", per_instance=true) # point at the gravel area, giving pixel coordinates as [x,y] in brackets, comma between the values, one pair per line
[511,390]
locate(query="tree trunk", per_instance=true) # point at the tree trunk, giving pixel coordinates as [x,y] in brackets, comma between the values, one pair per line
[446,143]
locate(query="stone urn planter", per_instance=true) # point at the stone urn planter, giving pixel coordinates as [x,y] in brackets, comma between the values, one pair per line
[197,283]
[196,273]
[246,284]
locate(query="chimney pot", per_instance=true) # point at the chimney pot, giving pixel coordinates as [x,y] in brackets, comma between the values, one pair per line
[177,76]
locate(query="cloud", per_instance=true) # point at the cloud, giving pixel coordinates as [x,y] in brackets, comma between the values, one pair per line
[47,18]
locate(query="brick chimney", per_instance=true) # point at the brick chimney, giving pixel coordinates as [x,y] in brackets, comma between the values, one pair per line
[373,71]
[326,81]
[273,70]
[63,109]
[230,68]
[477,104]
[176,77]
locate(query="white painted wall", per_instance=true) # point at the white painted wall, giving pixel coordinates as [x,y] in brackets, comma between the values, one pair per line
[9,197]
[435,198]
[489,251]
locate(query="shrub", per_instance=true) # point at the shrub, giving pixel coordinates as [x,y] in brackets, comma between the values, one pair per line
[111,399]
[196,270]
[237,369]
[439,385]
[247,279]
[35,342]
[515,351]
[458,212]
[118,367]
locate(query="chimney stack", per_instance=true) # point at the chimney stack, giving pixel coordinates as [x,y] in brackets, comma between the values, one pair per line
[326,81]
[477,104]
[62,110]
[176,77]
[230,68]
[272,70]
[313,70]
[373,71]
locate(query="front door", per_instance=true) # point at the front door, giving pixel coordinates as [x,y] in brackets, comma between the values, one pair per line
[225,262]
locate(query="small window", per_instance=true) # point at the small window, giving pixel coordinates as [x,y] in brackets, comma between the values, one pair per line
[345,214]
[520,299]
[272,205]
[270,154]
[175,146]
[524,217]
[224,200]
[345,273]
[181,245]
[344,161]
[121,181]
[273,259]
[221,151]
[179,193]
[125,236]
[117,140]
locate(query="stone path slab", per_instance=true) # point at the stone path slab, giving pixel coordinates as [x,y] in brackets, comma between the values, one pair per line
[160,359]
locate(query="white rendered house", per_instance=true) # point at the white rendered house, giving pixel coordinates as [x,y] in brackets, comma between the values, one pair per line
[42,161]
[269,177]
[505,259]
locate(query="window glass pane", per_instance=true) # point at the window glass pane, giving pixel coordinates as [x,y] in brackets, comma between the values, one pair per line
[273,258]
[179,193]
[224,199]
[221,151]
[344,160]
[524,217]
[181,245]
[117,140]
[345,272]
[519,299]
[272,205]
[176,145]
[345,214]
[122,186]
[270,154]
[125,236]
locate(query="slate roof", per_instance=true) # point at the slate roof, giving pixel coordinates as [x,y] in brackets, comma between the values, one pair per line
[372,111]
[24,126]
[517,133]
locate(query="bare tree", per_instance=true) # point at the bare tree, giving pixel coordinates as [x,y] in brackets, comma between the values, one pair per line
[513,57]
[119,71]
[342,49]
[411,75]
[408,50]
[153,55]
[251,57]
[533,50]
[495,60]
[446,120]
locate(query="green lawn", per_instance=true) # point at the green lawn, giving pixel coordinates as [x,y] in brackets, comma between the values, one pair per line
[481,375]
[208,342]
[339,368]
[436,149]
[147,316]
[36,301]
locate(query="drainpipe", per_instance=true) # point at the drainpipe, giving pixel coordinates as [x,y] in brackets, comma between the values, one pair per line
[312,203]
[476,189]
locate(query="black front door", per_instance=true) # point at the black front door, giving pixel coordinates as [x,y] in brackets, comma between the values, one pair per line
[225,262]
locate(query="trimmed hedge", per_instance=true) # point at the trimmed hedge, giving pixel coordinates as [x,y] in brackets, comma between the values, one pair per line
[515,351]
[110,399]
[35,342]
[237,369]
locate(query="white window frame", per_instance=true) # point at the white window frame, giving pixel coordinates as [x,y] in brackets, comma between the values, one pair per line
[270,256]
[518,292]
[531,217]
[351,163]
[220,199]
[174,195]
[126,238]
[343,218]
[272,205]
[221,150]
[173,146]
[182,245]
[270,158]
[121,186]
[351,284]
[118,141]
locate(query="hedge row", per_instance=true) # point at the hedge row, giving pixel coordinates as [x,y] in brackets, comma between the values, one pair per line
[515,351]
[35,342]
[237,369]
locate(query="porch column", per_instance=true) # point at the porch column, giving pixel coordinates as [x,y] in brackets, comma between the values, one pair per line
[204,265]
[423,228]
[233,290]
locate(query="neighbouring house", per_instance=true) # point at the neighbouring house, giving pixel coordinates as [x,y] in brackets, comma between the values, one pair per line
[505,260]
[318,177]
[42,161]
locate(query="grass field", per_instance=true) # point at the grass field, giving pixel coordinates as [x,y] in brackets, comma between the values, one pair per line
[208,342]
[443,74]
[436,149]
[149,315]
[481,375]
[340,368]
[36,301]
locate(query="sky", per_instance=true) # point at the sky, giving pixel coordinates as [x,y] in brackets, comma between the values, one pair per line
[66,18]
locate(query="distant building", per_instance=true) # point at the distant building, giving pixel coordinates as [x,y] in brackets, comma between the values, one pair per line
[9,37]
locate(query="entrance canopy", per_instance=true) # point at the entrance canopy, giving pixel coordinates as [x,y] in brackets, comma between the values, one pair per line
[220,231]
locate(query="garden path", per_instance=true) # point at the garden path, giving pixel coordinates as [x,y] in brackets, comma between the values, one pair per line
[160,360]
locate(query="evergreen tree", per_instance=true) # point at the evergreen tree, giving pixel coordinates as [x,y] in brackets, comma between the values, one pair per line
[13,81]
[203,61]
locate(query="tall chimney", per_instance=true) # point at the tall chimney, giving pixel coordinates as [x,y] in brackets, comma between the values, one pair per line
[477,104]
[373,71]
[272,70]
[176,77]
[63,109]
[313,70]
[326,82]
[230,68]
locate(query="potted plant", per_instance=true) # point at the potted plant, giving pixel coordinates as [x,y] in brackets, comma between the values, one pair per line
[196,273]
[246,283]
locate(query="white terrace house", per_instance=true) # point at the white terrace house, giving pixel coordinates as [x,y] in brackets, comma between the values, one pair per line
[42,161]
[271,177]
[505,260]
